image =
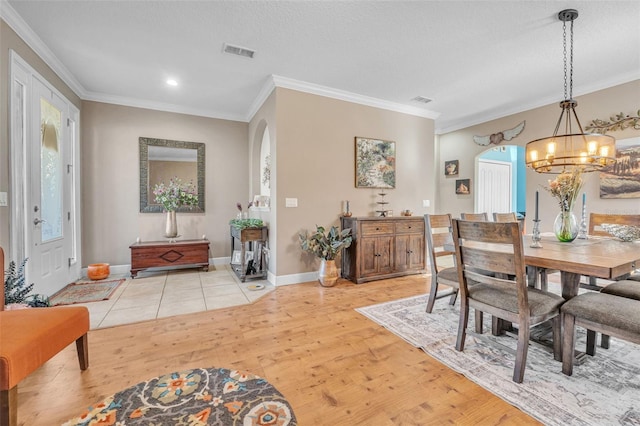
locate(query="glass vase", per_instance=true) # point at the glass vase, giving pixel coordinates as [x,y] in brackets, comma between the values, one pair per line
[566,226]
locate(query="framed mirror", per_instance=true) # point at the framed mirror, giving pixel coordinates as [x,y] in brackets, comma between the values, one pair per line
[163,159]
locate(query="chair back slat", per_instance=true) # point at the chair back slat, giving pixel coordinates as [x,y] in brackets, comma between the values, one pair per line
[505,217]
[478,217]
[487,232]
[491,260]
[437,232]
[597,219]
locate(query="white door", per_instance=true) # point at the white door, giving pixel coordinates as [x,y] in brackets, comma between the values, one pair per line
[49,198]
[494,192]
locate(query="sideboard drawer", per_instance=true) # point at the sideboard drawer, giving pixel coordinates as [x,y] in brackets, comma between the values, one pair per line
[410,227]
[377,228]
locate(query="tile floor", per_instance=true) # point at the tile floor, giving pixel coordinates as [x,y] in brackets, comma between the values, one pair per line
[167,293]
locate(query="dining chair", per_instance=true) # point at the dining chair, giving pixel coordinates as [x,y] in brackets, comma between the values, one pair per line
[479,217]
[438,231]
[504,217]
[595,228]
[497,247]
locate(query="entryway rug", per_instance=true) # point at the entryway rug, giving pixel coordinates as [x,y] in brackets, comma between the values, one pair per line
[603,390]
[85,291]
[212,396]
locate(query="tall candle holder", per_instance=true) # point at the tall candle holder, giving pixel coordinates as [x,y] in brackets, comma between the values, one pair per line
[582,233]
[535,236]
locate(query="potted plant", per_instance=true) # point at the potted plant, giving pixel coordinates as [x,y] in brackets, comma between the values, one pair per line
[326,246]
[16,291]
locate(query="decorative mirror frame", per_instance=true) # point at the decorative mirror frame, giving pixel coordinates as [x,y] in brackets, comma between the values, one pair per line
[144,143]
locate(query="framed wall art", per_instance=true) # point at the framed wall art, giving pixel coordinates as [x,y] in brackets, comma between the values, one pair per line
[451,168]
[463,186]
[375,163]
[622,179]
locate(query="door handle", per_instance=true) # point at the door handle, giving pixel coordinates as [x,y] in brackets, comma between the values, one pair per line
[37,221]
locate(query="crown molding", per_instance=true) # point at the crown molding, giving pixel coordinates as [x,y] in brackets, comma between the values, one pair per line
[264,93]
[538,103]
[342,95]
[160,106]
[24,31]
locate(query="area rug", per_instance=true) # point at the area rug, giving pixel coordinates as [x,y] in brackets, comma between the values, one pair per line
[603,390]
[85,291]
[213,396]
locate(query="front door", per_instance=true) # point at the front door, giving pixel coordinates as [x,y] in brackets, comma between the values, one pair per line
[50,200]
[494,187]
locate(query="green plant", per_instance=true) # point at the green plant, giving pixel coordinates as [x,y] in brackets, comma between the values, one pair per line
[15,290]
[246,223]
[326,245]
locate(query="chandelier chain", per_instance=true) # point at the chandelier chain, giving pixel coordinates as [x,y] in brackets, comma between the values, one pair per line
[564,54]
[571,64]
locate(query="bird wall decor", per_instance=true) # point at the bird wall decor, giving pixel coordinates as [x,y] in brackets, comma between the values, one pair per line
[496,138]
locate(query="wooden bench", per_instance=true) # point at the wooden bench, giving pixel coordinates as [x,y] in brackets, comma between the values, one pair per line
[28,339]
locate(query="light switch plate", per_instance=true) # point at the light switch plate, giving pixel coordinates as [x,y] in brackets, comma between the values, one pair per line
[291,202]
[426,203]
[3,199]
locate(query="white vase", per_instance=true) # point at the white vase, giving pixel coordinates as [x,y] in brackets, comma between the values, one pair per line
[171,228]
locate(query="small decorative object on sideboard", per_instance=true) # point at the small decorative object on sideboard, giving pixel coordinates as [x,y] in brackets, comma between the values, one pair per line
[406,212]
[347,211]
[326,247]
[624,232]
[382,212]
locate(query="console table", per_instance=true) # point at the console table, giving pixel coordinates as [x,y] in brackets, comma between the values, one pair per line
[158,254]
[255,238]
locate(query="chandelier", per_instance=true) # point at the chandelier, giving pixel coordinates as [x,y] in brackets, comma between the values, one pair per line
[572,147]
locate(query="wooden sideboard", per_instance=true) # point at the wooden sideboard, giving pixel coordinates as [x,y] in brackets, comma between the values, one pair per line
[383,247]
[158,254]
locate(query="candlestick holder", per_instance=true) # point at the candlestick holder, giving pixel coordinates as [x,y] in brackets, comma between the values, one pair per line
[582,233]
[535,236]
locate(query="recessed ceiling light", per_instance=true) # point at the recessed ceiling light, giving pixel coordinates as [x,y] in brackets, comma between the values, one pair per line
[237,50]
[172,82]
[422,99]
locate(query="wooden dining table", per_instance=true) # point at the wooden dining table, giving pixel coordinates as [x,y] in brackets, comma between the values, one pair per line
[600,257]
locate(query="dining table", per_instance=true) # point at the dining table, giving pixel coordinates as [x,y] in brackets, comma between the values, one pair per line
[596,256]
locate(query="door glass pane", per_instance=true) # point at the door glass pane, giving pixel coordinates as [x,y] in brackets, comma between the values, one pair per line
[50,172]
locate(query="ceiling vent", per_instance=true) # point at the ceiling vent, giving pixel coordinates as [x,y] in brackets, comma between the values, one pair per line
[422,99]
[237,50]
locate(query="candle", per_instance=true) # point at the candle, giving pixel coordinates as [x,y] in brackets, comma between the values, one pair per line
[347,210]
[584,198]
[536,218]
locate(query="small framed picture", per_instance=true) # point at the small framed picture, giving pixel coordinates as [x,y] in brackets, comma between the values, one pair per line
[463,186]
[236,258]
[451,168]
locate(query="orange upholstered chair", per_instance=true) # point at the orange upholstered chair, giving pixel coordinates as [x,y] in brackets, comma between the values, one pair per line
[29,338]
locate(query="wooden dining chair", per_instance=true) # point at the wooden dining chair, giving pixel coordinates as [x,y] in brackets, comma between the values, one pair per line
[505,217]
[498,248]
[438,231]
[479,217]
[595,228]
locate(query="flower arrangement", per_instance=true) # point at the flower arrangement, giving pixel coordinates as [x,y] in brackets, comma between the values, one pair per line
[175,194]
[566,187]
[326,246]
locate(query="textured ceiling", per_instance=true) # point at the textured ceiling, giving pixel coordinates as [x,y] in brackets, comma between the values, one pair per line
[477,60]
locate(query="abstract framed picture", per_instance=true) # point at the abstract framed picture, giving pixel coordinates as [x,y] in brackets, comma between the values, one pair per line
[622,179]
[451,168]
[463,186]
[375,163]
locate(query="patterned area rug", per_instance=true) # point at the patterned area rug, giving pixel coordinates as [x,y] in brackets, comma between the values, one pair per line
[214,396]
[83,292]
[603,390]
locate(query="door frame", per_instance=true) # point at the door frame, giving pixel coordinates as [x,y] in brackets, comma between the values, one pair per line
[20,133]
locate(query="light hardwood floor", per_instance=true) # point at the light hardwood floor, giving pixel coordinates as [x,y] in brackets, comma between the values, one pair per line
[334,366]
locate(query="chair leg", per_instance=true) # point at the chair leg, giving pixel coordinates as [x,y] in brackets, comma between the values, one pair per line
[591,342]
[9,407]
[462,325]
[557,338]
[604,341]
[82,347]
[568,342]
[454,296]
[521,353]
[544,283]
[432,294]
[479,321]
